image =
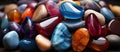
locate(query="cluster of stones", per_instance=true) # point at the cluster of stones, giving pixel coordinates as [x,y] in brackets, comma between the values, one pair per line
[60,25]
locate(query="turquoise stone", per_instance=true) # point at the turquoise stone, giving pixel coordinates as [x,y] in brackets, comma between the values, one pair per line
[71,10]
[4,22]
[11,40]
[61,38]
[107,13]
[27,44]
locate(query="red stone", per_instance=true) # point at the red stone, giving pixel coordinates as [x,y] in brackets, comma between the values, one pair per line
[28,12]
[52,8]
[93,25]
[46,27]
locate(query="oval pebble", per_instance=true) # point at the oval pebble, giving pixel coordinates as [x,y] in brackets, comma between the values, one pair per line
[11,40]
[43,43]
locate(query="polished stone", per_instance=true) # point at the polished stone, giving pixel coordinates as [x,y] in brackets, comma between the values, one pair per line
[92,5]
[61,38]
[114,41]
[74,11]
[93,25]
[40,13]
[28,26]
[10,7]
[46,27]
[53,8]
[114,26]
[115,10]
[107,13]
[73,25]
[99,45]
[22,8]
[80,39]
[28,12]
[100,17]
[11,40]
[14,15]
[43,43]
[27,44]
[4,22]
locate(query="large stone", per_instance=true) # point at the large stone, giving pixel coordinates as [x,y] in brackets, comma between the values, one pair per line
[80,39]
[10,7]
[61,38]
[40,13]
[71,10]
[11,40]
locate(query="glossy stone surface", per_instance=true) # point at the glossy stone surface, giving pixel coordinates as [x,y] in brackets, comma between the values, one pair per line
[14,15]
[92,5]
[28,26]
[80,39]
[10,7]
[73,25]
[101,44]
[114,41]
[16,27]
[28,12]
[4,22]
[22,7]
[52,8]
[73,9]
[114,26]
[115,9]
[46,27]
[40,13]
[100,17]
[27,44]
[43,43]
[107,13]
[61,38]
[11,40]
[93,25]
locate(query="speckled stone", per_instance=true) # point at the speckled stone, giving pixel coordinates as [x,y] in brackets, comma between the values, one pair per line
[61,38]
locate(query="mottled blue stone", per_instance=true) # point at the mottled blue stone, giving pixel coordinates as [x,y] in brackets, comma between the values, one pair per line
[22,7]
[71,10]
[107,13]
[61,38]
[27,44]
[11,40]
[4,22]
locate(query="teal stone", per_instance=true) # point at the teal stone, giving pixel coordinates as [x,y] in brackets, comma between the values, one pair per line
[61,38]
[27,44]
[4,22]
[107,13]
[11,40]
[71,10]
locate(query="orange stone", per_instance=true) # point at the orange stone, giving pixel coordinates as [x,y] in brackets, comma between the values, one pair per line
[80,39]
[28,12]
[14,15]
[101,44]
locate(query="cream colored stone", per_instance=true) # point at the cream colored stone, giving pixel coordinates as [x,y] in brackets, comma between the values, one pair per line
[43,43]
[100,17]
[40,13]
[10,7]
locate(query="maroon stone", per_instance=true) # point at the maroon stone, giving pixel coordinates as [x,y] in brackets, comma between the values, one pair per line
[93,25]
[46,27]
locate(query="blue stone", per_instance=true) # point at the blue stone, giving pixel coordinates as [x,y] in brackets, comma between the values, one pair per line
[107,14]
[61,38]
[4,22]
[11,40]
[28,44]
[71,10]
